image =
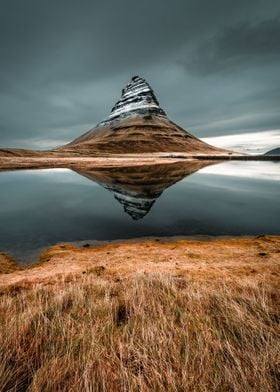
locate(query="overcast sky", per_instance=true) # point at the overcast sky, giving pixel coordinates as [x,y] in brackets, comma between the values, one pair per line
[214,65]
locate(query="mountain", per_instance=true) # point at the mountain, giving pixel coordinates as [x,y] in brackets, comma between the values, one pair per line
[17,152]
[137,124]
[274,152]
[137,188]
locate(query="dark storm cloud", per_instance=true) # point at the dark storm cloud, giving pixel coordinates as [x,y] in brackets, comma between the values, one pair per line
[241,46]
[63,64]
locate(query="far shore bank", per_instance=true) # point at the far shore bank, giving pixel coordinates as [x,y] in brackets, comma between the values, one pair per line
[47,162]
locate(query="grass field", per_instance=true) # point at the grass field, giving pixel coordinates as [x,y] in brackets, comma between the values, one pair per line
[144,333]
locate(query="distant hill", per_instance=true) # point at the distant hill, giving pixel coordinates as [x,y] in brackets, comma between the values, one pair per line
[274,152]
[17,152]
[137,124]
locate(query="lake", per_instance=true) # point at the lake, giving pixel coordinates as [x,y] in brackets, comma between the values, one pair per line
[40,208]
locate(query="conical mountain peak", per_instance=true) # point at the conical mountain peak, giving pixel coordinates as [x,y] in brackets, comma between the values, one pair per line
[137,124]
[137,99]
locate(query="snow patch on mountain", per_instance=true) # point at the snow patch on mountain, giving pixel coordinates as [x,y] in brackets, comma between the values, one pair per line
[138,99]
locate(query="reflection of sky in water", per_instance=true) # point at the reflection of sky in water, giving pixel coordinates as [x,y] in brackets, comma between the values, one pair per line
[255,169]
[43,207]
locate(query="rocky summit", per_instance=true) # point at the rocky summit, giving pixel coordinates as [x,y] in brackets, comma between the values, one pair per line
[138,99]
[137,124]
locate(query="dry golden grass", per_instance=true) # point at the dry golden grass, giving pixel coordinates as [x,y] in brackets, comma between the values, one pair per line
[7,264]
[51,160]
[220,259]
[153,332]
[154,315]
[139,135]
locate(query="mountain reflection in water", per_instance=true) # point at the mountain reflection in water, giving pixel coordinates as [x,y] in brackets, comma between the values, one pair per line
[138,187]
[41,208]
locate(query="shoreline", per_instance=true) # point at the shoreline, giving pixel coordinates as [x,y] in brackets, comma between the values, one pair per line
[32,257]
[192,256]
[129,160]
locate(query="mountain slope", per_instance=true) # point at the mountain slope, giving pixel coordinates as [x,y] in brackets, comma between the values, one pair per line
[137,124]
[274,152]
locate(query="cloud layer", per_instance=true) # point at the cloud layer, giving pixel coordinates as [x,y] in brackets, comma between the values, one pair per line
[254,142]
[213,65]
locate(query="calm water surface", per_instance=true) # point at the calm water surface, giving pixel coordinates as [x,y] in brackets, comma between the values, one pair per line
[39,208]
